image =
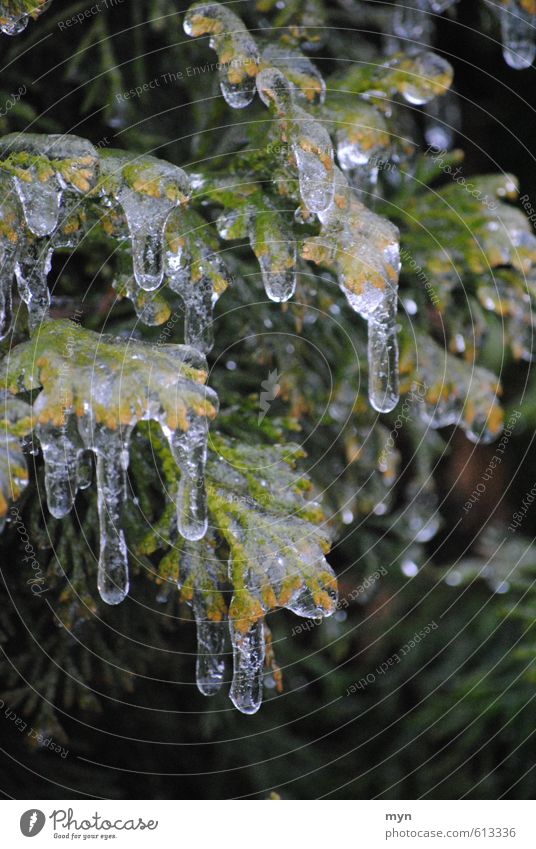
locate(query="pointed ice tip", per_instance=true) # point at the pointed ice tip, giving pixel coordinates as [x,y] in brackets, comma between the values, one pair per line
[248,708]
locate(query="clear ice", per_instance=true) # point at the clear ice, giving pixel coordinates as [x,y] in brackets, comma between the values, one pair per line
[147,189]
[109,449]
[518,33]
[189,449]
[269,239]
[114,384]
[309,140]
[363,249]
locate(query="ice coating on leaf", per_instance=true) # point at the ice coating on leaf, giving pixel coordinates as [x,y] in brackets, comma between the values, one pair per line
[518,34]
[196,271]
[456,392]
[298,69]
[111,385]
[147,189]
[510,296]
[58,162]
[248,664]
[15,14]
[15,423]
[363,250]
[236,49]
[310,142]
[302,23]
[269,238]
[201,578]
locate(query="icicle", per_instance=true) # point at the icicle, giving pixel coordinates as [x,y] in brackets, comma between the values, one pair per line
[32,268]
[197,273]
[422,514]
[41,200]
[518,31]
[84,470]
[383,354]
[364,249]
[60,447]
[248,664]
[189,448]
[236,49]
[109,448]
[310,142]
[210,666]
[147,189]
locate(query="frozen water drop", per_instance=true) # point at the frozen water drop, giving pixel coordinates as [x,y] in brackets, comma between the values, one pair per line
[146,224]
[189,448]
